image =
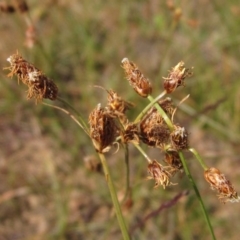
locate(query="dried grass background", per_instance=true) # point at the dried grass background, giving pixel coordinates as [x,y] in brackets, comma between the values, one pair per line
[47,190]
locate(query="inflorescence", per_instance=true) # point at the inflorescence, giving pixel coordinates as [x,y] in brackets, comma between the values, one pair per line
[110,124]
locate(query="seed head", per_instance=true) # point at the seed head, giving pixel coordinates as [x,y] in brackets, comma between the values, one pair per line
[176,77]
[179,138]
[102,129]
[159,174]
[39,86]
[136,79]
[117,106]
[224,187]
[116,103]
[153,130]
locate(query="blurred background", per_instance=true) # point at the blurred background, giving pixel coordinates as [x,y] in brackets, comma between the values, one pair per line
[51,186]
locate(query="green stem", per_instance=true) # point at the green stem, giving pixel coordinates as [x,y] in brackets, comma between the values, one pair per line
[139,117]
[86,130]
[78,114]
[143,153]
[197,193]
[114,198]
[196,154]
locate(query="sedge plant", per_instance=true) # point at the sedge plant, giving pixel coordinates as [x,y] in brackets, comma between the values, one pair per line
[154,126]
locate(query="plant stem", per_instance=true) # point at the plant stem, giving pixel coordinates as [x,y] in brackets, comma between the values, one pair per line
[143,153]
[152,102]
[115,201]
[196,154]
[78,114]
[68,113]
[197,193]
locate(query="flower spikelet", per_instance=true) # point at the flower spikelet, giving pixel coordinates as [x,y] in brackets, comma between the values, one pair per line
[136,79]
[102,129]
[116,103]
[219,182]
[159,174]
[153,130]
[176,77]
[117,106]
[179,138]
[39,86]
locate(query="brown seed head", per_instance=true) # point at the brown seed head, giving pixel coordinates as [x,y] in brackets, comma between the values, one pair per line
[176,77]
[136,79]
[159,174]
[39,86]
[117,106]
[219,182]
[43,87]
[153,129]
[102,129]
[116,103]
[179,138]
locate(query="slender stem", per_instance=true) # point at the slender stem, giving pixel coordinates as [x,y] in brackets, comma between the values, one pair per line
[205,213]
[115,201]
[149,106]
[67,104]
[196,154]
[68,113]
[78,114]
[142,152]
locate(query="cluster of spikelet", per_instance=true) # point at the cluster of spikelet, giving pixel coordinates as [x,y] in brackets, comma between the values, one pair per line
[109,124]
